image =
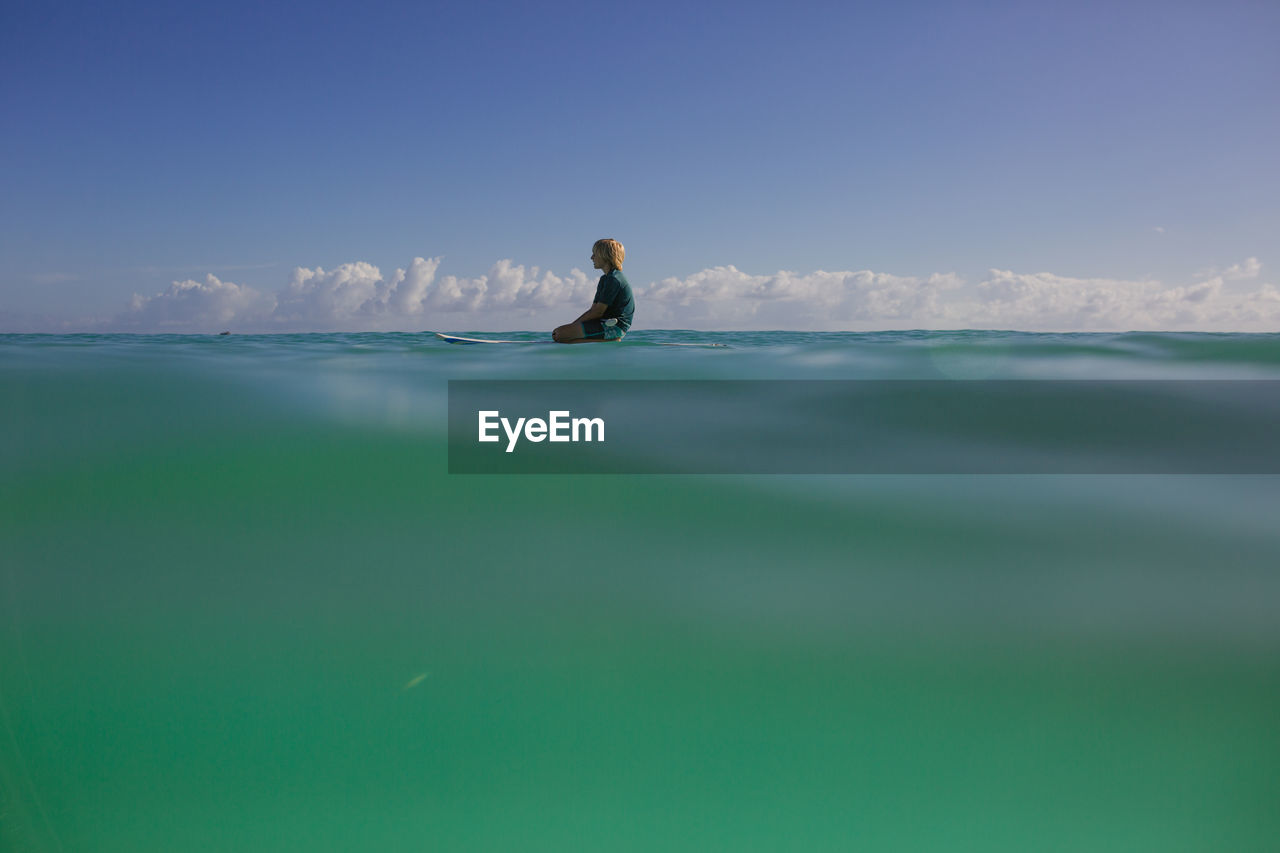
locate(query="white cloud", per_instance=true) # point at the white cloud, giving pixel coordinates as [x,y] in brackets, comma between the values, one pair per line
[1009,300]
[195,306]
[508,288]
[1047,302]
[1247,269]
[317,299]
[1251,268]
[358,297]
[727,298]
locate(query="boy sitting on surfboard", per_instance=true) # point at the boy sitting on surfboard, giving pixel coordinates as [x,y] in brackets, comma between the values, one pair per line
[609,316]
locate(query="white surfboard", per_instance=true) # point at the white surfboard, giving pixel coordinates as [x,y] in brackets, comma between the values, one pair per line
[458,339]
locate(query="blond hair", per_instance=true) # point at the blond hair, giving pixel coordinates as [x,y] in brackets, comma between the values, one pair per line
[609,251]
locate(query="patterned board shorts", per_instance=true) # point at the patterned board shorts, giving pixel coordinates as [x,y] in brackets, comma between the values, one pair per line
[606,330]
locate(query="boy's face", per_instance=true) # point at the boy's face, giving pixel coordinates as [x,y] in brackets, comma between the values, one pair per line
[596,260]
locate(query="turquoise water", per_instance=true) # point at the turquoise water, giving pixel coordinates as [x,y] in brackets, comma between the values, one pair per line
[244,607]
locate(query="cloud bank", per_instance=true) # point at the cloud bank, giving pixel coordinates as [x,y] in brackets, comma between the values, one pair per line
[358,297]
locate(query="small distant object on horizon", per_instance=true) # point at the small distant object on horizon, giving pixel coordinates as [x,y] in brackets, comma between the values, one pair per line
[223,333]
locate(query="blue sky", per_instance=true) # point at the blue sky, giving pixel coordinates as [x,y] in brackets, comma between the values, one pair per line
[151,143]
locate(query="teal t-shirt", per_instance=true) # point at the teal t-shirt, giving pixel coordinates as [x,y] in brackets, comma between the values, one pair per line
[615,291]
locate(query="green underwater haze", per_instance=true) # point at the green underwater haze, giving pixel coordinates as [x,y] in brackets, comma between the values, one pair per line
[244,606]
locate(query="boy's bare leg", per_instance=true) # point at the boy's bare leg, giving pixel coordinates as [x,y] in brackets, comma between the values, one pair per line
[571,333]
[568,333]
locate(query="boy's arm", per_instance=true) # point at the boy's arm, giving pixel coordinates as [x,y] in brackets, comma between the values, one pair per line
[595,312]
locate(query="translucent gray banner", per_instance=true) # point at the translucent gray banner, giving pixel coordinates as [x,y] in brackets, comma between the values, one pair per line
[864,427]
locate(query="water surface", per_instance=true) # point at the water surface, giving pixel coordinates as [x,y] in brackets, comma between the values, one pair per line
[244,607]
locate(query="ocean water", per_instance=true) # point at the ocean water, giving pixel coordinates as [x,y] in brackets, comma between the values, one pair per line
[243,606]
